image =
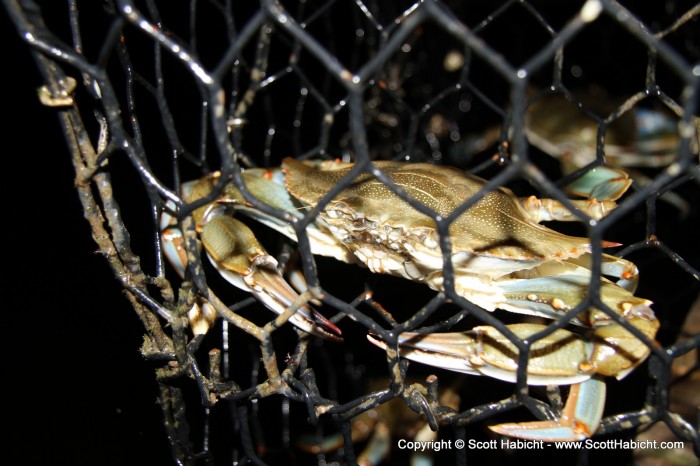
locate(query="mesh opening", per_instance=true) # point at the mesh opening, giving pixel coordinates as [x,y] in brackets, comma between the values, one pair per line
[153,95]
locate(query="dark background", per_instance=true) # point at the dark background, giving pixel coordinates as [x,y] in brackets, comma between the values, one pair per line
[79,391]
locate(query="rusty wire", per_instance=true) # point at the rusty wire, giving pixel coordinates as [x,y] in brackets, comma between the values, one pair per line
[183,90]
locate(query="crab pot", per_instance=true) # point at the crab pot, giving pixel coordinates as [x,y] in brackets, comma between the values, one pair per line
[529,95]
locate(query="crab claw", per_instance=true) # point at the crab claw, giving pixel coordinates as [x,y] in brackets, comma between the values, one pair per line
[579,420]
[601,183]
[242,261]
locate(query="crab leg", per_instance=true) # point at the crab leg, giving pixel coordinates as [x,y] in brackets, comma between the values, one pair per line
[579,419]
[555,359]
[550,295]
[613,350]
[551,289]
[235,252]
[242,261]
[548,210]
[625,271]
[560,358]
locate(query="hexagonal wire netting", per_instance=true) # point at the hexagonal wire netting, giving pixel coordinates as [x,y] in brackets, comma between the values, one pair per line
[152,94]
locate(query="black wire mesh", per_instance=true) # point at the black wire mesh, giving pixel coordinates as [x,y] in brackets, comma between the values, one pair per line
[151,95]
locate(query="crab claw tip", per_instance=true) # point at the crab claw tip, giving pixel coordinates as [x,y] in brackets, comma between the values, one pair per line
[610,244]
[326,324]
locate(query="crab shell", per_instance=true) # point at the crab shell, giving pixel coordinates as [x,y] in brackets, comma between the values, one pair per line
[372,220]
[494,242]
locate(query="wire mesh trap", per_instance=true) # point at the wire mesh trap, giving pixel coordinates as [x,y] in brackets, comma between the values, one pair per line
[528,95]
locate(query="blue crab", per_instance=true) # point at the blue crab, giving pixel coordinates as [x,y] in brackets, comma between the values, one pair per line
[501,256]
[640,138]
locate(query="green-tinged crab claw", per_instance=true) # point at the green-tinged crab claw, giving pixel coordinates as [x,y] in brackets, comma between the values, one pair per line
[601,186]
[241,260]
[601,183]
[579,419]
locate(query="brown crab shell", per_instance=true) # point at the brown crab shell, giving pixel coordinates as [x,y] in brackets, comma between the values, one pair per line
[495,226]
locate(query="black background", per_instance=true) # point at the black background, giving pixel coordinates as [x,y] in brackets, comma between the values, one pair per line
[79,391]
